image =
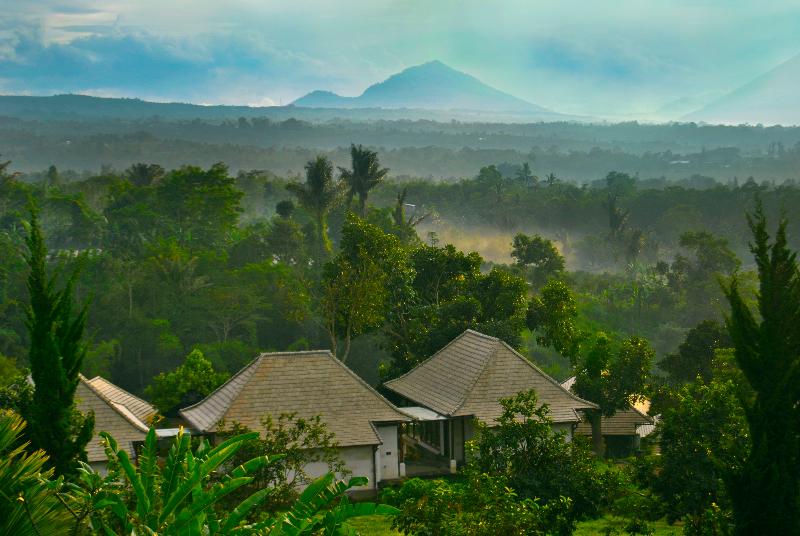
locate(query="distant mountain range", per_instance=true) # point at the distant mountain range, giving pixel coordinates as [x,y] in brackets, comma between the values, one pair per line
[433,86]
[773,98]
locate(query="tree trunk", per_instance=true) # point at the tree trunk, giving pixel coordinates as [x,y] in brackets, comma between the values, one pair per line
[597,433]
[362,204]
[347,339]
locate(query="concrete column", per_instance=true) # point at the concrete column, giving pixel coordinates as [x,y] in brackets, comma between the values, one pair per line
[453,467]
[402,469]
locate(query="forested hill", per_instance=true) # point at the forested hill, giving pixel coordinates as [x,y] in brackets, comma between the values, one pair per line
[86,133]
[86,107]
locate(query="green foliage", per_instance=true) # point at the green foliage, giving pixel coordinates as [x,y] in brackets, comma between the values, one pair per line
[56,354]
[538,256]
[8,370]
[365,174]
[448,295]
[765,492]
[703,440]
[695,355]
[203,204]
[27,506]
[183,496]
[539,463]
[369,277]
[301,442]
[194,379]
[481,505]
[318,195]
[553,315]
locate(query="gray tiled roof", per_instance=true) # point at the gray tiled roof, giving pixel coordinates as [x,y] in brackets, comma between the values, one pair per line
[307,383]
[472,373]
[109,416]
[143,410]
[623,422]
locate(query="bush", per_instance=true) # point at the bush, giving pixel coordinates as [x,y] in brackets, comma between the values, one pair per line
[538,463]
[482,505]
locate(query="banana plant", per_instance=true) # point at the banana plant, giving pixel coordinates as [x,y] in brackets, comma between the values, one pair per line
[322,508]
[179,498]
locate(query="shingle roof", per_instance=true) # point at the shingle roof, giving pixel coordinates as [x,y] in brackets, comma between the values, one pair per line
[109,416]
[623,422]
[143,410]
[306,383]
[472,373]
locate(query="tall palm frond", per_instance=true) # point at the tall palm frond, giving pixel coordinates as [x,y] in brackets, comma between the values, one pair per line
[366,174]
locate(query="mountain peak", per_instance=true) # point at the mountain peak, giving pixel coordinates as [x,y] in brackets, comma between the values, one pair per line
[768,99]
[431,85]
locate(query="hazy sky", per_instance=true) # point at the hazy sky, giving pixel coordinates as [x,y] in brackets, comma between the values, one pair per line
[589,57]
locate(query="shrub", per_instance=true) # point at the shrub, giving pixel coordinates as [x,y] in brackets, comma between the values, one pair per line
[482,505]
[539,463]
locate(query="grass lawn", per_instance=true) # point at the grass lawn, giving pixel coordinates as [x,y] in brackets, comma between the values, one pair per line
[373,525]
[600,526]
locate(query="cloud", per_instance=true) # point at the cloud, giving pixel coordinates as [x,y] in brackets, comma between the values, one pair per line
[570,55]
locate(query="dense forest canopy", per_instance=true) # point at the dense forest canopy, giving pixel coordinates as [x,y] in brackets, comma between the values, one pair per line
[283,139]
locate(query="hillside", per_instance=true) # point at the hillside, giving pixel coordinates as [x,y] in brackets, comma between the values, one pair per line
[771,99]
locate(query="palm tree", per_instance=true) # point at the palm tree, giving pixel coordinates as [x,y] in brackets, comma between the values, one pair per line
[318,195]
[365,175]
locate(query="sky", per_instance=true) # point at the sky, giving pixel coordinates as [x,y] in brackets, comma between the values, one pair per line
[614,58]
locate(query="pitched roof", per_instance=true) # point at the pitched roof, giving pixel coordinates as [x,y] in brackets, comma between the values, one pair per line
[109,416]
[473,372]
[623,422]
[143,410]
[306,383]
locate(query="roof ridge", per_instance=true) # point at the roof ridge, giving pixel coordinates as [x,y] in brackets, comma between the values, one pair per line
[113,405]
[439,351]
[115,386]
[479,375]
[547,376]
[226,382]
[365,384]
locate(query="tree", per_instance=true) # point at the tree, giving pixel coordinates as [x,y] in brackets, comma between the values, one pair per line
[526,176]
[553,315]
[56,354]
[703,438]
[765,493]
[611,381]
[318,195]
[450,294]
[539,256]
[362,283]
[695,354]
[187,384]
[285,208]
[538,462]
[199,208]
[365,175]
[144,174]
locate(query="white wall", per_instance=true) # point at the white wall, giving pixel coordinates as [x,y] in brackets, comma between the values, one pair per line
[565,427]
[388,455]
[359,460]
